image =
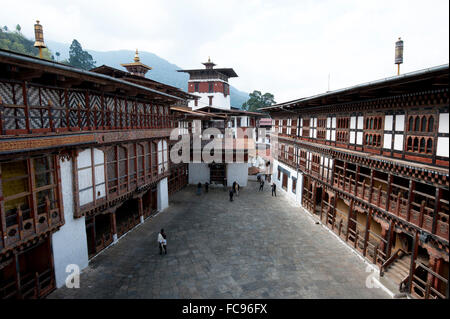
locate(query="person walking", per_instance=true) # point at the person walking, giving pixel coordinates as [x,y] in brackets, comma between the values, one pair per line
[231,195]
[162,241]
[236,188]
[261,186]
[274,189]
[206,187]
[199,188]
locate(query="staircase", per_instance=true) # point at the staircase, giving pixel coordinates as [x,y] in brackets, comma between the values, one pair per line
[398,270]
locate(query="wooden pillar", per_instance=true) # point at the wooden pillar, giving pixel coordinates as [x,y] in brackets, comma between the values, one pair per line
[31,187]
[321,203]
[384,233]
[56,161]
[389,239]
[437,204]
[76,193]
[412,268]
[333,212]
[348,219]
[141,209]
[412,186]
[438,269]
[388,193]
[114,225]
[372,173]
[430,277]
[313,197]
[366,233]
[358,168]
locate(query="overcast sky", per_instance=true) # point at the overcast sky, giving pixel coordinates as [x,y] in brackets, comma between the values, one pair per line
[285,47]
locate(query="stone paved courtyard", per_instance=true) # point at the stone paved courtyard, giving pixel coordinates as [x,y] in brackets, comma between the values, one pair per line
[255,247]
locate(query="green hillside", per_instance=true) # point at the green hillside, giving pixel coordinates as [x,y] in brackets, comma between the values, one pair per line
[17,42]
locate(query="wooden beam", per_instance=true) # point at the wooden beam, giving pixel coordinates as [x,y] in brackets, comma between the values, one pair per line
[29,75]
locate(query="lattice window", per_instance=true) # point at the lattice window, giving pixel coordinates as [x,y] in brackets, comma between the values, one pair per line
[421,123]
[29,190]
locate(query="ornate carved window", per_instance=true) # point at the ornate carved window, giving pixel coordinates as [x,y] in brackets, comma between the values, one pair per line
[421,123]
[29,192]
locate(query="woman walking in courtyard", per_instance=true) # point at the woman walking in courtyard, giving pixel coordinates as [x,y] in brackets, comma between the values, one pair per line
[162,241]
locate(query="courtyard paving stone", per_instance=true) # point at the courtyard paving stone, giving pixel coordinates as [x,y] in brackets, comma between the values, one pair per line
[257,246]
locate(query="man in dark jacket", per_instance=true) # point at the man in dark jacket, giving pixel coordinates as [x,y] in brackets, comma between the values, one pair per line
[231,195]
[274,189]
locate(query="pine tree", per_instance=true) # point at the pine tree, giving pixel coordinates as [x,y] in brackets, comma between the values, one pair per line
[79,58]
[258,100]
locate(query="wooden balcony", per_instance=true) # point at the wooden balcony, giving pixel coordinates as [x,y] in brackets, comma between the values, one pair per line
[125,188]
[415,213]
[54,110]
[22,226]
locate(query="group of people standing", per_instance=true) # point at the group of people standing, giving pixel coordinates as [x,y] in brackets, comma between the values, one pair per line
[261,185]
[199,188]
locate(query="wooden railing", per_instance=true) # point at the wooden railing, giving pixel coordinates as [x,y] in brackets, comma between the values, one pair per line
[425,289]
[21,225]
[419,213]
[33,286]
[392,259]
[8,289]
[50,109]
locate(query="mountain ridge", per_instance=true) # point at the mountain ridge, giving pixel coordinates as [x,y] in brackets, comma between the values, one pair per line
[162,70]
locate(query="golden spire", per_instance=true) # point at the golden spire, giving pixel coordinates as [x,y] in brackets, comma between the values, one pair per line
[209,59]
[136,56]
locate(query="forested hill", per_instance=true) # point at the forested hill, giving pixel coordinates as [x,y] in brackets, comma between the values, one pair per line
[17,42]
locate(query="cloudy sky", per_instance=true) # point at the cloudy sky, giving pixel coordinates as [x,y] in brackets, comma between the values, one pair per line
[288,48]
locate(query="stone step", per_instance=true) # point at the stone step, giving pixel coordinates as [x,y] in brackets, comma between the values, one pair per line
[405,261]
[395,277]
[400,266]
[402,273]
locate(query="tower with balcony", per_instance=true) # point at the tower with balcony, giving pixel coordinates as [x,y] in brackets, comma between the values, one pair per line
[211,85]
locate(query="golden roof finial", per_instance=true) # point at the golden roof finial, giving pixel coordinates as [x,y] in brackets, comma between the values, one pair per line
[209,59]
[136,56]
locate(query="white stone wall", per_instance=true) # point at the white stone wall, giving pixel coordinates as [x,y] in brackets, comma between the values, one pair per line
[237,172]
[199,172]
[443,142]
[219,101]
[297,196]
[69,244]
[163,195]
